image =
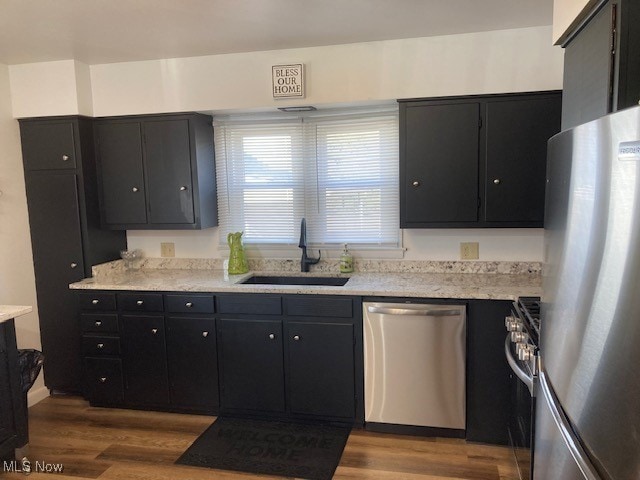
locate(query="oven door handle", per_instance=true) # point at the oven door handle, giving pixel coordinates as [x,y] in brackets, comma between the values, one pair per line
[517,369]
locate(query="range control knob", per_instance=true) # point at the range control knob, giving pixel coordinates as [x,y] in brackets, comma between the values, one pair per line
[525,352]
[515,325]
[519,337]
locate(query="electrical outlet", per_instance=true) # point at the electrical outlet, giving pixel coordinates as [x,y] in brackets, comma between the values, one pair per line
[469,251]
[167,249]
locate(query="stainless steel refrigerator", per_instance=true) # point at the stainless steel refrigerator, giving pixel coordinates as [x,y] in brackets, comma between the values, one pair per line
[588,408]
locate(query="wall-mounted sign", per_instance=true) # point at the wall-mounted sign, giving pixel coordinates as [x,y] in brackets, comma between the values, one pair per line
[288,81]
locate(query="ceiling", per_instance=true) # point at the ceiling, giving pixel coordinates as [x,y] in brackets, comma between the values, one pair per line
[107,31]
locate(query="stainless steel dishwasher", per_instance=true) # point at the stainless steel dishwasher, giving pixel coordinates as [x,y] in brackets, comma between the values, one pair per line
[414,364]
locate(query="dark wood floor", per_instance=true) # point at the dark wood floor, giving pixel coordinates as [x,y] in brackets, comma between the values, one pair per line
[120,444]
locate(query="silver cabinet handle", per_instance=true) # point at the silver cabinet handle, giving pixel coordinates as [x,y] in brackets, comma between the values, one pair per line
[183,188]
[100,346]
[154,331]
[134,189]
[103,379]
[188,304]
[272,336]
[416,183]
[98,323]
[65,158]
[140,302]
[497,181]
[95,301]
[205,334]
[296,337]
[423,312]
[74,264]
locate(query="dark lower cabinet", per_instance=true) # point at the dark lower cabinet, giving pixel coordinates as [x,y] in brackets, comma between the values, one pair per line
[251,362]
[192,358]
[13,413]
[321,369]
[66,238]
[144,359]
[488,374]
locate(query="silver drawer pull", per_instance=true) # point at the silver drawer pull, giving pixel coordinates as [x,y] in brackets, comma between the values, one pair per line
[296,337]
[496,181]
[134,189]
[416,184]
[98,323]
[272,336]
[205,334]
[183,188]
[154,331]
[65,158]
[95,301]
[139,302]
[100,346]
[103,379]
[188,304]
[74,264]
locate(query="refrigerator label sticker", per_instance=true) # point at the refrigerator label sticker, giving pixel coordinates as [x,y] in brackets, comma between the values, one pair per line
[629,151]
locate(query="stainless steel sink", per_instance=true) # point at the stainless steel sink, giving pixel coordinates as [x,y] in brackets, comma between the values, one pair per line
[316,281]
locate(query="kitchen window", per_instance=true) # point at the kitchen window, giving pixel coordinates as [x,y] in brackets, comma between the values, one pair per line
[339,170]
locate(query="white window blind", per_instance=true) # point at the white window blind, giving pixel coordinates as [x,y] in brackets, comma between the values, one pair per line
[338,170]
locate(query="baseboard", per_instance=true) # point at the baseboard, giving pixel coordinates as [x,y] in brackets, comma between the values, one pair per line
[36,395]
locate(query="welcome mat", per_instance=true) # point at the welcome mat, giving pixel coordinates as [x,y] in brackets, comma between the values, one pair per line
[274,448]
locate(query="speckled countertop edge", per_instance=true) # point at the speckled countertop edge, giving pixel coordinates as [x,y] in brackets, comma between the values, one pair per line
[494,286]
[7,312]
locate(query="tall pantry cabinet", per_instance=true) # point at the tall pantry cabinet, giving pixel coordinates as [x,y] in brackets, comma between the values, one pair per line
[64,216]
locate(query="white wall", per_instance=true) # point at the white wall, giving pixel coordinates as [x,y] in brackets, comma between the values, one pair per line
[17,282]
[566,14]
[477,63]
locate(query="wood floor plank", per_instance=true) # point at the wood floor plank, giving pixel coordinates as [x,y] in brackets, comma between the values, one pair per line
[119,444]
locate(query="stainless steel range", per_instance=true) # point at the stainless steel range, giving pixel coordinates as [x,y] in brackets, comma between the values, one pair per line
[521,351]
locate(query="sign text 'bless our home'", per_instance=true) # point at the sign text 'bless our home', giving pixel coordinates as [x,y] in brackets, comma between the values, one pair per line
[288,81]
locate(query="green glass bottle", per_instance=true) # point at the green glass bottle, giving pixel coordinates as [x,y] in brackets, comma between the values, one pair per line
[346,261]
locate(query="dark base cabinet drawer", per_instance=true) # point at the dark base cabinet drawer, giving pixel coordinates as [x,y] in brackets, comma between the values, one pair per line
[97,301]
[250,304]
[103,380]
[189,303]
[99,323]
[315,306]
[140,302]
[97,345]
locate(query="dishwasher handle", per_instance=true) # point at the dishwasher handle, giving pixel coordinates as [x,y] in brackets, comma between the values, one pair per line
[423,312]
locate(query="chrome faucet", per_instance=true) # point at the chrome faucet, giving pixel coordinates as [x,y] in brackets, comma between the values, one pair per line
[306,261]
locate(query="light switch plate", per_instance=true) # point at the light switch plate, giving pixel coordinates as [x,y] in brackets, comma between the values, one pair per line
[469,251]
[167,249]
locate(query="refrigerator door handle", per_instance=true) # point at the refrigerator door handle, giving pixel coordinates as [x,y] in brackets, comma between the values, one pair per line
[564,426]
[517,369]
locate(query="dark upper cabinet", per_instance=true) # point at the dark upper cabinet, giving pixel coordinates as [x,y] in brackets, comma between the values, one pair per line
[475,161]
[157,172]
[321,369]
[441,163]
[602,63]
[65,234]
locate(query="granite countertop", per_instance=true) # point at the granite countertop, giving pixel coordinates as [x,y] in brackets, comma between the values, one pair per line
[494,286]
[7,312]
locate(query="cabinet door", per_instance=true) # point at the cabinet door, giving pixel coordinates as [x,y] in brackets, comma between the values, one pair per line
[168,170]
[251,365]
[488,374]
[321,369]
[517,135]
[58,261]
[103,381]
[119,151]
[193,362]
[144,359]
[440,163]
[48,146]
